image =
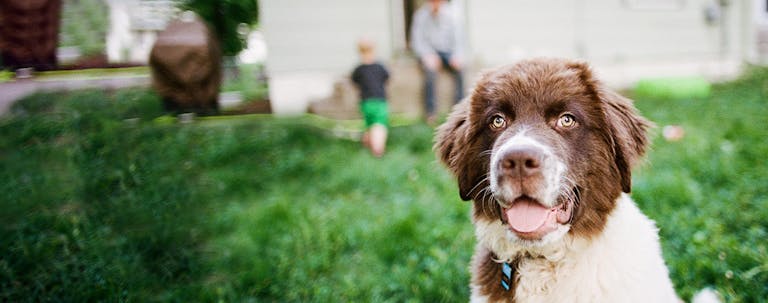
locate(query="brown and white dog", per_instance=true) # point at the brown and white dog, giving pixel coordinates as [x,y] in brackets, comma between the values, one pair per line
[545,151]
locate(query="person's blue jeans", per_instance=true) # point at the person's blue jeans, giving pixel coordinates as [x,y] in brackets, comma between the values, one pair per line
[431,77]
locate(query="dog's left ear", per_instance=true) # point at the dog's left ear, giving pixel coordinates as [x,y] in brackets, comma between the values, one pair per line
[629,133]
[628,129]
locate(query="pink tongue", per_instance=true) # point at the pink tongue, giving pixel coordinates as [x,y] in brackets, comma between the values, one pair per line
[527,216]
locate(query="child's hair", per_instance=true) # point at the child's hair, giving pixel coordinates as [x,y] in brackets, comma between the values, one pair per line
[365,45]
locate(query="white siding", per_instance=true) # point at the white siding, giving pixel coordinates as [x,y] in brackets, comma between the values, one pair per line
[608,32]
[614,31]
[501,31]
[310,44]
[321,35]
[133,28]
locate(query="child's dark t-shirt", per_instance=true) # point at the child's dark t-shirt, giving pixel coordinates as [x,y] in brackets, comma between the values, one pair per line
[371,78]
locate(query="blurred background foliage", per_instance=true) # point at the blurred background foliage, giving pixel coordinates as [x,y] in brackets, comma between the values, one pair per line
[230,20]
[84,24]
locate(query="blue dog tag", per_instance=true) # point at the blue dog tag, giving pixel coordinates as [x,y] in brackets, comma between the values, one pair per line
[506,275]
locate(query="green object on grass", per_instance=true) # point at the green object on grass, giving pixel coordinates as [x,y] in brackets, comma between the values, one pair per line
[165,120]
[5,76]
[674,87]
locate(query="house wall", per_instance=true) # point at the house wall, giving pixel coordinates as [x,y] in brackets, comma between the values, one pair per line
[133,28]
[310,44]
[626,39]
[501,31]
[617,31]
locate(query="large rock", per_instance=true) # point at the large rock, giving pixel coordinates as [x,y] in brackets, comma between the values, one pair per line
[186,67]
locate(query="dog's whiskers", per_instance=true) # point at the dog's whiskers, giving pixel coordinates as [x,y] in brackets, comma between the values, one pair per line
[569,191]
[487,207]
[483,180]
[487,152]
[484,195]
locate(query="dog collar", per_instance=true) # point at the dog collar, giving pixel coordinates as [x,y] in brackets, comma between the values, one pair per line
[506,276]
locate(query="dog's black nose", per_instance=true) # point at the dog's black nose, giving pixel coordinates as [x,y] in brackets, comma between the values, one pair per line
[522,162]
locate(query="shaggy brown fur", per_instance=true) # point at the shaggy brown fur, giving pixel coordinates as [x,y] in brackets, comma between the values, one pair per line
[609,139]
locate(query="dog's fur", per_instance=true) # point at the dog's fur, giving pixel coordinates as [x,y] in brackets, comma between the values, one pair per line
[603,249]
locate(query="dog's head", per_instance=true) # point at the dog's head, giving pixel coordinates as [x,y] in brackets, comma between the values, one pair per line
[543,147]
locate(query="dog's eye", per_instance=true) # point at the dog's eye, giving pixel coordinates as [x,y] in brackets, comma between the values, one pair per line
[566,121]
[498,122]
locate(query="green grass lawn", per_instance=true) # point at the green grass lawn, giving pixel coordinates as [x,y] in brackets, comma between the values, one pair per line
[101,206]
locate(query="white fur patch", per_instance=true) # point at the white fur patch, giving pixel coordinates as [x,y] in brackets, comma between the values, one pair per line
[622,264]
[553,169]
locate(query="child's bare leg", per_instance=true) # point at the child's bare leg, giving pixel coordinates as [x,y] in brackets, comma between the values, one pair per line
[378,139]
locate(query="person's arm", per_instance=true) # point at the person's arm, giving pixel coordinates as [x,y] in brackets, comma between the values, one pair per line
[386,73]
[419,40]
[356,76]
[459,39]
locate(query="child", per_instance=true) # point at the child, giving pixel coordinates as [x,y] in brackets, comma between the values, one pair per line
[371,77]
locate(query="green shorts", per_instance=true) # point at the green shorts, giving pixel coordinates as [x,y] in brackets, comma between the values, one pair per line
[375,111]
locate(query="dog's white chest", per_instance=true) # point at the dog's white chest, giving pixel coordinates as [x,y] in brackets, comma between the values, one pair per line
[623,264]
[566,280]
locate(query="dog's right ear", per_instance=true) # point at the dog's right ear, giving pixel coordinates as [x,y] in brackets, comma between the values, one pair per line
[452,145]
[629,133]
[628,129]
